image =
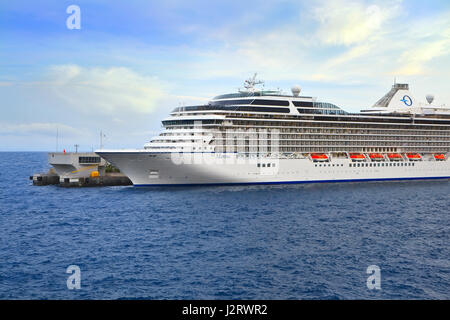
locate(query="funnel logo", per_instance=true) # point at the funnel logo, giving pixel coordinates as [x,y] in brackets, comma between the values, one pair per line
[407,101]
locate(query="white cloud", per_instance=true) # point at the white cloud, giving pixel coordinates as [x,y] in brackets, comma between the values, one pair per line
[414,60]
[387,49]
[81,101]
[107,91]
[304,49]
[350,22]
[430,41]
[278,54]
[39,128]
[340,43]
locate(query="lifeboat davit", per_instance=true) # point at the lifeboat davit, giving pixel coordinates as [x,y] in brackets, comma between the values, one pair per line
[376,156]
[357,156]
[319,157]
[395,156]
[413,156]
[439,156]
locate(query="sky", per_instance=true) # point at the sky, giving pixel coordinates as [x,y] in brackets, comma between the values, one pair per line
[132,62]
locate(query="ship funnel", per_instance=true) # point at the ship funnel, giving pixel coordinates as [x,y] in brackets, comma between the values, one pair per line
[398,98]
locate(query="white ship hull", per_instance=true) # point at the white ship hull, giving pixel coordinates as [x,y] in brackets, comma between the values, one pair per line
[162,169]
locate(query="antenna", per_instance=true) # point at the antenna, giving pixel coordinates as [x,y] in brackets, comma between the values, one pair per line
[76,147]
[101,139]
[250,83]
[56,139]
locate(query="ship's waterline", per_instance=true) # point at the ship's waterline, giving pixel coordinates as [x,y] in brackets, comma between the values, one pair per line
[159,169]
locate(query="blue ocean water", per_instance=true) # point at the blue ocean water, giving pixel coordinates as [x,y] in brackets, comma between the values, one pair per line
[247,242]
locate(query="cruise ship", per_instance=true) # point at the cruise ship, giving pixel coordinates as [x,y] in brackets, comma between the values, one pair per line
[258,136]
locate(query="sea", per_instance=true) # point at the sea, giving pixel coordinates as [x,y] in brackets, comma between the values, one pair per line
[367,240]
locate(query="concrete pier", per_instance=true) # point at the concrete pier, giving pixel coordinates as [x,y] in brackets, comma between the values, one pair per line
[44,179]
[80,170]
[109,179]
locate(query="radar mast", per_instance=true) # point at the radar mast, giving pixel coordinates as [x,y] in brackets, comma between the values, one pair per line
[250,83]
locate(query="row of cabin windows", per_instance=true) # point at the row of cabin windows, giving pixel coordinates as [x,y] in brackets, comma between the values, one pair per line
[320,111]
[383,164]
[321,127]
[379,120]
[88,159]
[329,165]
[407,164]
[263,165]
[349,131]
[251,101]
[231,108]
[338,123]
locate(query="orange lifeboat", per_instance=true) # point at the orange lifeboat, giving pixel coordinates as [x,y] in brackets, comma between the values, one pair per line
[319,157]
[376,156]
[357,156]
[439,156]
[395,156]
[413,156]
